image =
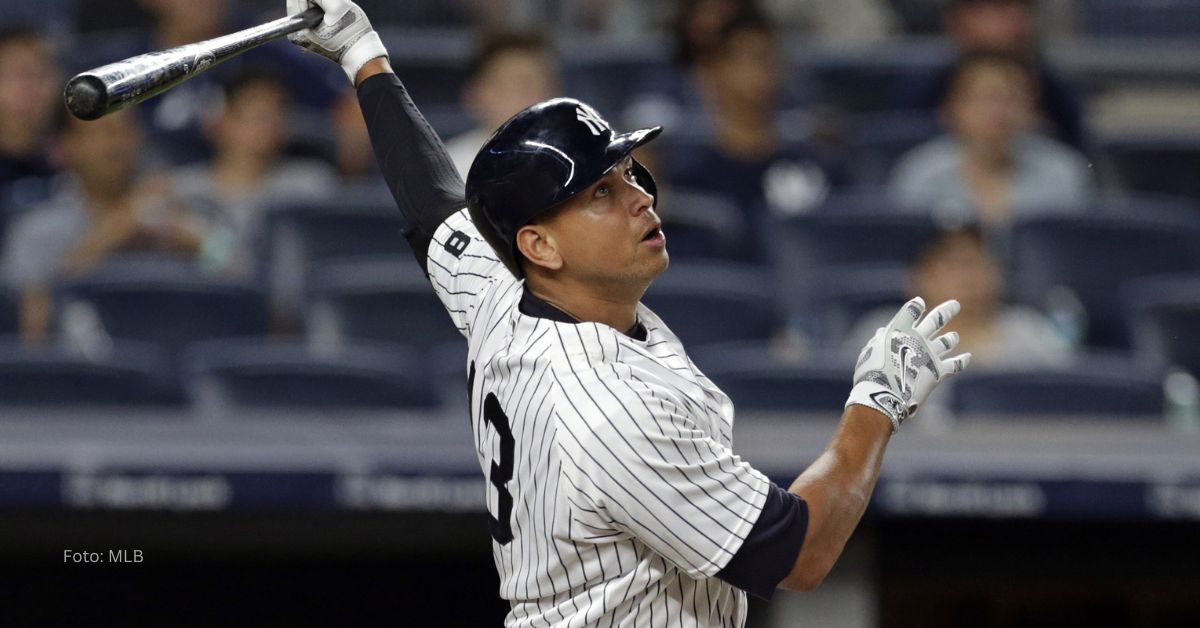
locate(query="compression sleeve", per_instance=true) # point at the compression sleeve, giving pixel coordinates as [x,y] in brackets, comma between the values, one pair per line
[414,161]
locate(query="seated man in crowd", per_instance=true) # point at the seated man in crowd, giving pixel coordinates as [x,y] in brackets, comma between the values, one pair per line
[30,92]
[991,167]
[1001,336]
[750,162]
[106,208]
[248,170]
[507,73]
[1009,27]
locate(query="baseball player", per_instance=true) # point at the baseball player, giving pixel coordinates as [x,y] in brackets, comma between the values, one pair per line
[614,495]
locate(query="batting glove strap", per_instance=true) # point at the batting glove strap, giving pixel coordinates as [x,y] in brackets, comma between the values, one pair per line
[878,397]
[367,47]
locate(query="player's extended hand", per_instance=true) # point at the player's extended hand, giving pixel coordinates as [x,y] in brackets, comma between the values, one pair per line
[904,362]
[345,36]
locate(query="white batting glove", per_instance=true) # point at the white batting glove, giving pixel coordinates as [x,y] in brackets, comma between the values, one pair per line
[345,36]
[903,362]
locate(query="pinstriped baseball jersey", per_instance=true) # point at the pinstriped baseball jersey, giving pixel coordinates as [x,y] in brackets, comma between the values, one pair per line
[613,493]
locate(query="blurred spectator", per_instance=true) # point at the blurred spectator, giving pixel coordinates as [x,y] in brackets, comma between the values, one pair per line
[1005,26]
[681,97]
[958,265]
[508,72]
[750,162]
[106,208]
[991,167]
[353,155]
[248,170]
[838,21]
[29,92]
[176,118]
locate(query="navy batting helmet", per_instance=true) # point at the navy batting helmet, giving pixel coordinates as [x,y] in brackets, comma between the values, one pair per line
[541,157]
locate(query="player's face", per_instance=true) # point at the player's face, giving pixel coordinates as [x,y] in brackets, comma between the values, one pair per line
[609,232]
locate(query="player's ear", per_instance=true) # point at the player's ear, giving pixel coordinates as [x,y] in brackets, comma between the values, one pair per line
[539,246]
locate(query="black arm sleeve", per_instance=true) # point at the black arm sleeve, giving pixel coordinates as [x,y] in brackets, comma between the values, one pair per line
[415,164]
[770,550]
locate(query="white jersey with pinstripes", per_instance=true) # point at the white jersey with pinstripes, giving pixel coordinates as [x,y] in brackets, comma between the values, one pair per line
[614,495]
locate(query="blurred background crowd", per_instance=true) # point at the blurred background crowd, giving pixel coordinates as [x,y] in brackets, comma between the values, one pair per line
[184,283]
[822,160]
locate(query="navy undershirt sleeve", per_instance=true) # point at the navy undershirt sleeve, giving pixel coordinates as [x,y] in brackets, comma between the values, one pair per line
[770,550]
[413,159]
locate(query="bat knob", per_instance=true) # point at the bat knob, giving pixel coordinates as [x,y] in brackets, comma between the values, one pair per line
[86,97]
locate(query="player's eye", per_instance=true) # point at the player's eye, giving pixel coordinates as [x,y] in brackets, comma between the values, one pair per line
[601,190]
[630,175]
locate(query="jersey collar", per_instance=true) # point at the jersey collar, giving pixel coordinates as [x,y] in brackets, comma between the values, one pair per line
[530,305]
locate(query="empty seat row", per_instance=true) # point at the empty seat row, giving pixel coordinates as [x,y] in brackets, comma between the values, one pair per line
[756,378]
[222,376]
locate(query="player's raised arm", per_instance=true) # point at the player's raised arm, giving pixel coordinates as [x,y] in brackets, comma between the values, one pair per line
[418,170]
[896,371]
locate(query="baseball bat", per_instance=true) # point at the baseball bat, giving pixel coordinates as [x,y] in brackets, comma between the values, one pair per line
[103,90]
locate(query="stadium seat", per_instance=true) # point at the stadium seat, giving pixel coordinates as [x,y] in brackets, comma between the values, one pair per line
[378,299]
[878,140]
[1092,256]
[1091,393]
[9,311]
[1139,18]
[714,302]
[165,302]
[601,73]
[432,63]
[755,379]
[825,306]
[239,374]
[1157,163]
[701,226]
[302,236]
[125,373]
[1165,313]
[825,239]
[873,79]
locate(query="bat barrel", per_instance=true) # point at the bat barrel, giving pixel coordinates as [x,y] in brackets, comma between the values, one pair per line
[103,90]
[87,97]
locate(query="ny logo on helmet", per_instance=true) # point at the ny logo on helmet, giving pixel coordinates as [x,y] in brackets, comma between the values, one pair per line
[594,122]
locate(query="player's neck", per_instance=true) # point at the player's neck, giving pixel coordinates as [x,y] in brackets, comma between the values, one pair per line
[615,309]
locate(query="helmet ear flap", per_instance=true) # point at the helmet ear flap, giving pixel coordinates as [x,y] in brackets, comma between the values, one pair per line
[646,180]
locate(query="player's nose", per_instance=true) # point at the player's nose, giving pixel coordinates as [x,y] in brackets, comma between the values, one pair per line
[638,199]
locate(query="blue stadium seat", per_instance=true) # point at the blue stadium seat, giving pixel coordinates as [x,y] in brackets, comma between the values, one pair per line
[9,311]
[432,64]
[378,299]
[825,306]
[55,16]
[873,80]
[701,226]
[1158,163]
[1139,18]
[240,374]
[1165,313]
[826,239]
[755,379]
[878,141]
[714,302]
[1094,393]
[166,302]
[601,73]
[304,235]
[1093,255]
[128,373]
[323,230]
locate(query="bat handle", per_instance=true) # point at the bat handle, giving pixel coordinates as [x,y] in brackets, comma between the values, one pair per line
[309,19]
